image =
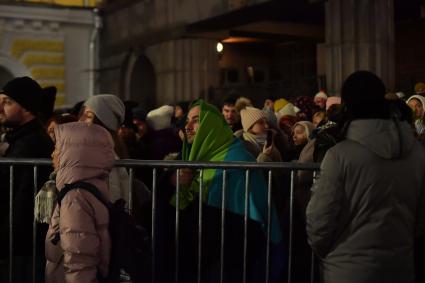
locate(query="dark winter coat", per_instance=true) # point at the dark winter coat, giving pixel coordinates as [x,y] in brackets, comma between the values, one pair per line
[368,203]
[27,141]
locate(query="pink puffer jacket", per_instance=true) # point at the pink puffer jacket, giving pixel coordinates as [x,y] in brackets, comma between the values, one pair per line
[85,153]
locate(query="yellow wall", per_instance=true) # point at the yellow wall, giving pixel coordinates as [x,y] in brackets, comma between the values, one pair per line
[45,59]
[79,3]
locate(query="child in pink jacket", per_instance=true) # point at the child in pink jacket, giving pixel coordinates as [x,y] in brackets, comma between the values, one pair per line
[83,152]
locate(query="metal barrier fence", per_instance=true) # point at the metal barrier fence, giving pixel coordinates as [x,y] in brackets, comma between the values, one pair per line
[291,167]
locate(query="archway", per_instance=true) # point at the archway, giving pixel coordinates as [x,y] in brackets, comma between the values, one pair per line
[142,83]
[5,76]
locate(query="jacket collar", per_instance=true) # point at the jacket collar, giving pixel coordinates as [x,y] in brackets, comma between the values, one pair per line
[21,131]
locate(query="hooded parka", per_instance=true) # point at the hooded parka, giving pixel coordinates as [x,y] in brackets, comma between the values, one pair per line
[366,205]
[85,153]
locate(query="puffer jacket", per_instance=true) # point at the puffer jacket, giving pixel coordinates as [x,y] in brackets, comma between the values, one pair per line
[368,203]
[85,153]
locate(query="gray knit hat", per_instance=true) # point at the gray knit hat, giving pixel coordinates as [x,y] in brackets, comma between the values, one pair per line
[108,108]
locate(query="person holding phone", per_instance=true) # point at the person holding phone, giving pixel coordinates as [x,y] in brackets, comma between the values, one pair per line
[257,136]
[263,143]
[209,138]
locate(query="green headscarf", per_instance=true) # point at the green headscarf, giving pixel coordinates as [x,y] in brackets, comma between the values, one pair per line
[212,138]
[211,143]
[214,141]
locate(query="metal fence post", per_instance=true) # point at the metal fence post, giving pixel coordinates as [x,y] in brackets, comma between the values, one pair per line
[245,233]
[201,184]
[176,271]
[291,216]
[154,173]
[223,219]
[34,224]
[269,224]
[11,224]
[130,189]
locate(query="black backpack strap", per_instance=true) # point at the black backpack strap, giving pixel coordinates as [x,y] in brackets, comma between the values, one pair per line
[77,185]
[81,185]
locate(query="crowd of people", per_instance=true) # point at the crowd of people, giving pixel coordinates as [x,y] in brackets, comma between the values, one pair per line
[363,216]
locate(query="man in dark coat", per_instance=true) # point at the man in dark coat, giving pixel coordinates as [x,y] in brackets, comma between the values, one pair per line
[19,104]
[367,206]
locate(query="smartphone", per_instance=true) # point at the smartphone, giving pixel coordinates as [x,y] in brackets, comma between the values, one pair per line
[269,140]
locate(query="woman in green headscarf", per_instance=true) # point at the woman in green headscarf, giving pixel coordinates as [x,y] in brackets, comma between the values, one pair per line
[209,138]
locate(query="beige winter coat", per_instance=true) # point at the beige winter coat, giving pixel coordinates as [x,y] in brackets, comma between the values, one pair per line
[85,154]
[366,205]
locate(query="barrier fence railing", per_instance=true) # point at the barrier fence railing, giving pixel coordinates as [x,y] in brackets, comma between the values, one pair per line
[154,165]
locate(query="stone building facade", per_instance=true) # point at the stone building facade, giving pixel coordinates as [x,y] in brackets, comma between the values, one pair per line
[50,44]
[160,51]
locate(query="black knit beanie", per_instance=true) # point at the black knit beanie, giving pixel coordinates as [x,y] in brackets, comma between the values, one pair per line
[24,91]
[364,95]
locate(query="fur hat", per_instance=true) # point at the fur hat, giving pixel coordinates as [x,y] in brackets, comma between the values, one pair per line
[249,116]
[160,118]
[332,100]
[26,92]
[420,88]
[279,104]
[108,108]
[321,94]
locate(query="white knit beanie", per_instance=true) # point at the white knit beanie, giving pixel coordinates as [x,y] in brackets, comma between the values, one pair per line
[249,116]
[321,94]
[108,108]
[418,97]
[160,118]
[287,110]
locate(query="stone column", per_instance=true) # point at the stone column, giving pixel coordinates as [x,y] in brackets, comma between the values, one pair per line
[184,68]
[359,36]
